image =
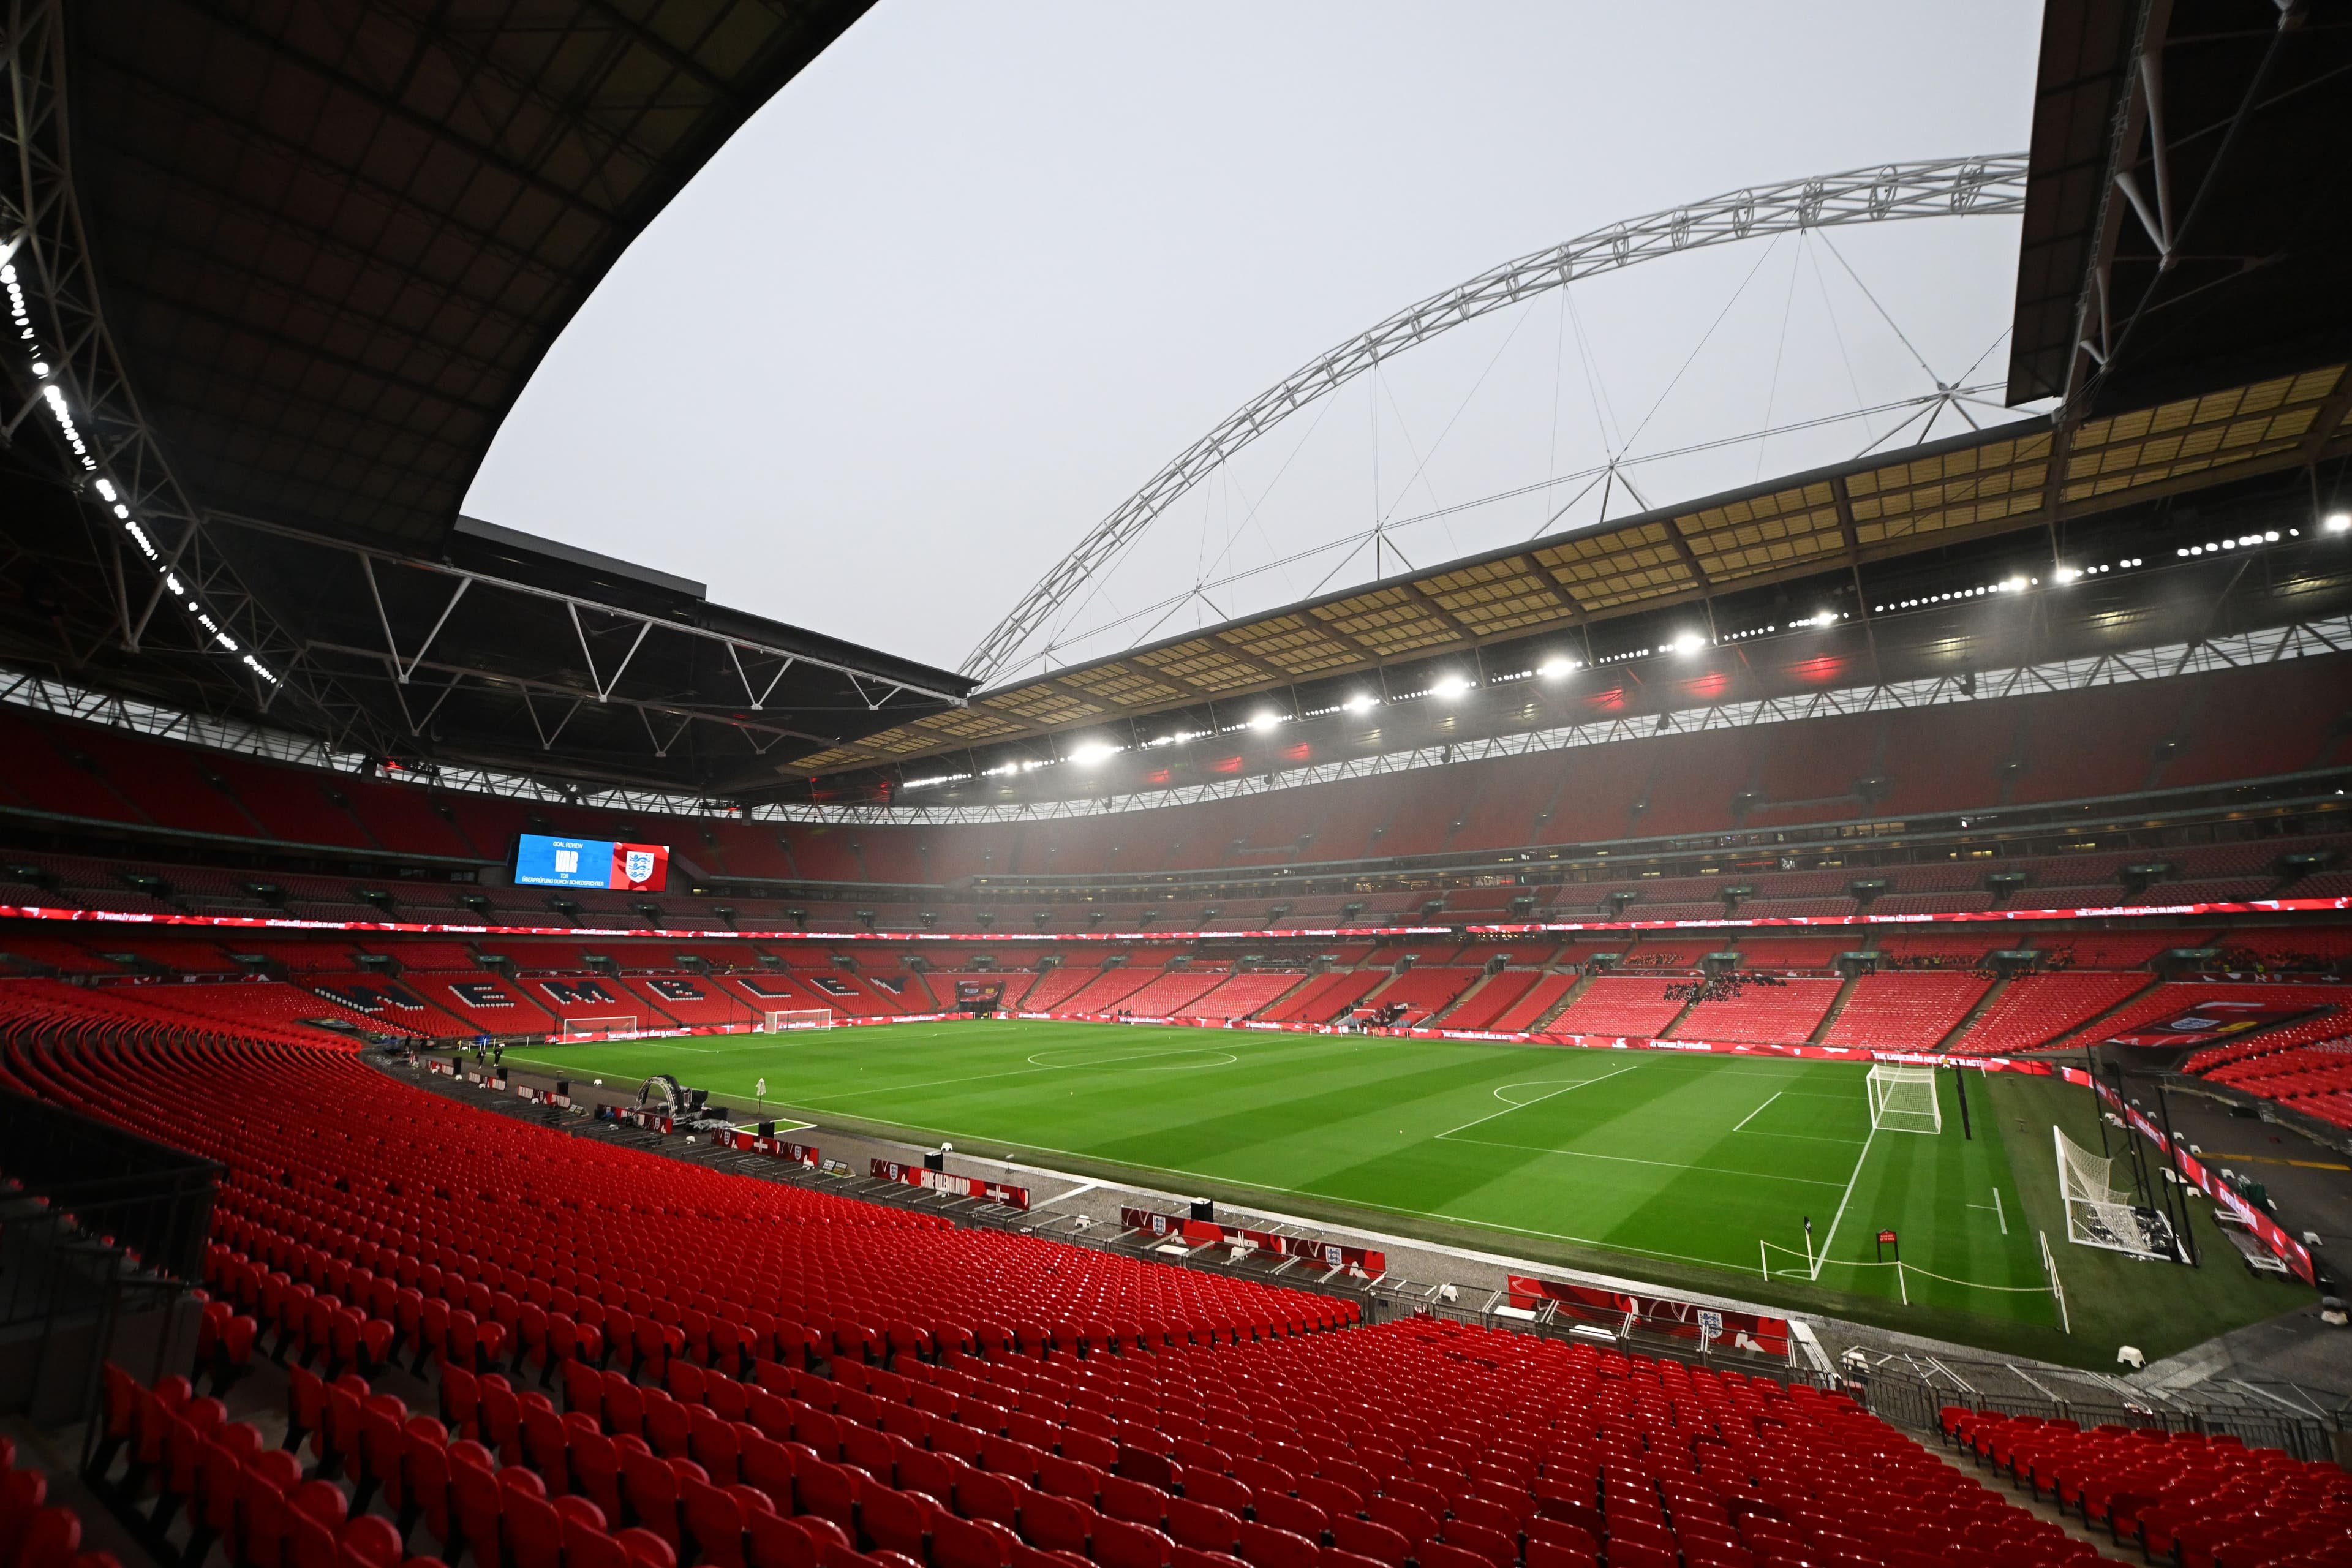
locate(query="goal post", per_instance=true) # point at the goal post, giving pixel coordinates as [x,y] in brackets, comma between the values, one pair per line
[2099,1212]
[618,1026]
[1904,1099]
[777,1021]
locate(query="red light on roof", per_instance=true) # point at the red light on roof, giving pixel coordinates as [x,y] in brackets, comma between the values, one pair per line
[1299,752]
[1710,685]
[1820,671]
[1226,765]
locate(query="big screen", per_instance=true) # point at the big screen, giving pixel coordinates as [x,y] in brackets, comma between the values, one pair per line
[544,862]
[977,993]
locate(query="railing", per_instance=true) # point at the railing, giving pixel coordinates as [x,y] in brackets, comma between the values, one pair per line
[1907,1400]
[96,1225]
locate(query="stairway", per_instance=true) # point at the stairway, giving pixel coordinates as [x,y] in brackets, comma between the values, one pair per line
[1969,1019]
[2087,1024]
[1472,990]
[1307,979]
[1820,1030]
[1567,1000]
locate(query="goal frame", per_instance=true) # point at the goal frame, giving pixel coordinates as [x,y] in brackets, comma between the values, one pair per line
[1888,1114]
[778,1020]
[609,1026]
[2106,1218]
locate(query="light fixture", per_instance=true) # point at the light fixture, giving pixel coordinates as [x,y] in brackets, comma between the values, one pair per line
[2337,522]
[2067,574]
[1266,720]
[1689,642]
[1555,667]
[1093,752]
[1450,686]
[1361,702]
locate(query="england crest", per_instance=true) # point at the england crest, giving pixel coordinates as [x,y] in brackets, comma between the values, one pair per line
[639,865]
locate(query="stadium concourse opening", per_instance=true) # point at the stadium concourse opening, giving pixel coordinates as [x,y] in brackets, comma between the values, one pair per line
[1596,1052]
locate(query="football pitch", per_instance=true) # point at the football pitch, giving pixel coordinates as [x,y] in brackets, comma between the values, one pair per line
[1679,1168]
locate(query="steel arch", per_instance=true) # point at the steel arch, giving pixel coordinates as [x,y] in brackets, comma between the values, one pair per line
[1945,188]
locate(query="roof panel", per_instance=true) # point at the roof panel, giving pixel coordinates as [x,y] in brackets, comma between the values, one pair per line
[334,239]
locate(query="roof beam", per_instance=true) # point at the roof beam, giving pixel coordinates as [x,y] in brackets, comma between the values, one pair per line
[576,601]
[1553,586]
[392,109]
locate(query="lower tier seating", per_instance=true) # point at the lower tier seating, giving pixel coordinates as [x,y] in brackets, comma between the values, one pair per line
[753,1375]
[2179,1497]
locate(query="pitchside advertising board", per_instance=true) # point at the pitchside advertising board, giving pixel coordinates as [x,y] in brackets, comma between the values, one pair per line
[544,862]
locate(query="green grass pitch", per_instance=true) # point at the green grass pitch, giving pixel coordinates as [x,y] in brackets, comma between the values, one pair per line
[1652,1165]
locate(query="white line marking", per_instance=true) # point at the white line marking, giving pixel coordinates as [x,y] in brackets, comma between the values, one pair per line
[1999,1213]
[1635,1160]
[1539,1099]
[1824,1255]
[1760,1110]
[1085,1186]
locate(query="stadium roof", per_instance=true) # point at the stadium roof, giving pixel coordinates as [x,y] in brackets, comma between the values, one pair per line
[1978,486]
[295,264]
[2188,200]
[298,262]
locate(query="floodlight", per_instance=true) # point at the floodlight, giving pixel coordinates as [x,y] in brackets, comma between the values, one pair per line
[1450,686]
[1266,720]
[1689,642]
[1094,752]
[2337,522]
[1555,667]
[1361,702]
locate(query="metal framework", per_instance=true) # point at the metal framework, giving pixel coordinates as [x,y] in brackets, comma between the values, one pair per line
[2243,650]
[149,536]
[404,652]
[1939,188]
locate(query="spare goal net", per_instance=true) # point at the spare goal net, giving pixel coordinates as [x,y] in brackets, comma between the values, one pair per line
[2099,1213]
[621,1027]
[1903,1100]
[800,1018]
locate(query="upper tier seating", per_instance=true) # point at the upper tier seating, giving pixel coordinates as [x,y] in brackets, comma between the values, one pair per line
[2171,733]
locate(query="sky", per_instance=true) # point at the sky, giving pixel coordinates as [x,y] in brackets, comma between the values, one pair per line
[978,271]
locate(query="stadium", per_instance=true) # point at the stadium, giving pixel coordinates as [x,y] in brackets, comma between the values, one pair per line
[1810,1023]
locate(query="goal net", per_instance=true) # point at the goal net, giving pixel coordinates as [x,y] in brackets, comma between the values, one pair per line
[1903,1100]
[799,1018]
[2099,1213]
[620,1026]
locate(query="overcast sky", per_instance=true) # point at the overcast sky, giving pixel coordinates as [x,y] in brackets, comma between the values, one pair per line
[976,274]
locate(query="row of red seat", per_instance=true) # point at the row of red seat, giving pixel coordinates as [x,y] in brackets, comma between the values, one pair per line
[915,1383]
[2104,742]
[2181,1497]
[34,1531]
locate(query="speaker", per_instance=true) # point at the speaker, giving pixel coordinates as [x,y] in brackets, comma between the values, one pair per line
[563,1085]
[767,1130]
[935,1161]
[1204,1209]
